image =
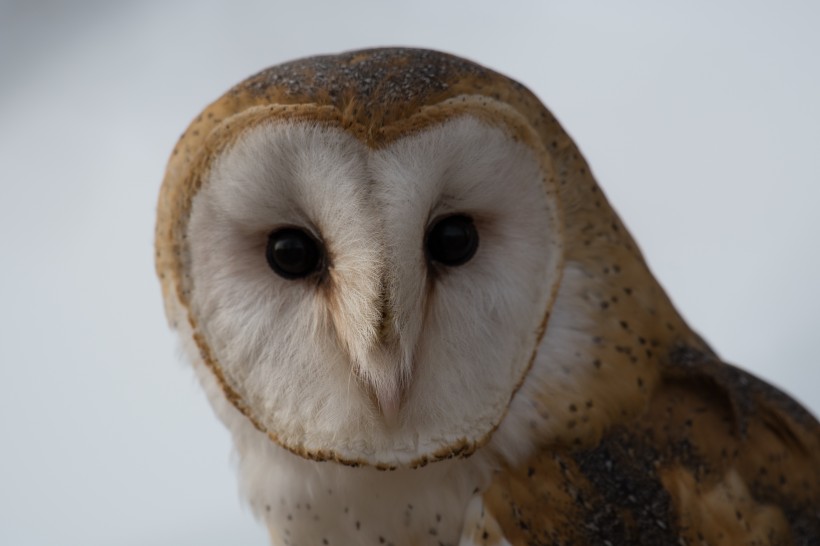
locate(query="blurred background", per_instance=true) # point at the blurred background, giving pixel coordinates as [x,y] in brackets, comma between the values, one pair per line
[701,122]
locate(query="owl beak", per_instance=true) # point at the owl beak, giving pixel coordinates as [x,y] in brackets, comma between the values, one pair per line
[385,382]
[389,401]
[385,368]
[384,386]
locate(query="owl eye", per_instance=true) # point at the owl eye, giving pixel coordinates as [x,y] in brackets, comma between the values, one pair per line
[293,253]
[452,240]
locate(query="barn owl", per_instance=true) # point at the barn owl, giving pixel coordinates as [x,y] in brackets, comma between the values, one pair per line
[413,307]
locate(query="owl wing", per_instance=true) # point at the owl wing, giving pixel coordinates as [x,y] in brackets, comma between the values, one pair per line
[718,458]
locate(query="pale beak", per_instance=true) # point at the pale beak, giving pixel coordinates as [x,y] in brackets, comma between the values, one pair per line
[389,401]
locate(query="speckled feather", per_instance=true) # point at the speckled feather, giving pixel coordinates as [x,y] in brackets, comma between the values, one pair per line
[717,458]
[666,445]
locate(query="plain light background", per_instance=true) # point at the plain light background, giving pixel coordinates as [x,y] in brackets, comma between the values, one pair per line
[701,122]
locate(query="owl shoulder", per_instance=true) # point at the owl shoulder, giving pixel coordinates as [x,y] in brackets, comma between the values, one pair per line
[719,457]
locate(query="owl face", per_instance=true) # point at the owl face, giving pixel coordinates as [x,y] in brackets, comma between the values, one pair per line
[368,255]
[374,304]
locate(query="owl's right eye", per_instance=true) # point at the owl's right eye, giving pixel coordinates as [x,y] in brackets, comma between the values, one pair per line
[293,253]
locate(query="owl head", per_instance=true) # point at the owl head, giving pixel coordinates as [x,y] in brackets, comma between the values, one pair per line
[369,255]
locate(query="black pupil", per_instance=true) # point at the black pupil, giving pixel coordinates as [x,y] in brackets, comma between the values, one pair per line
[292,253]
[452,240]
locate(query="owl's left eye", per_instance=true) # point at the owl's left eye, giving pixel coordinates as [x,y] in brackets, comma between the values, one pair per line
[452,240]
[293,253]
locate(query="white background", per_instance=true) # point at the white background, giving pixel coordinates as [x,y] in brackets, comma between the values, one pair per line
[702,124]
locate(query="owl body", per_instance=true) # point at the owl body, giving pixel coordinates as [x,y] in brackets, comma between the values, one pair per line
[413,307]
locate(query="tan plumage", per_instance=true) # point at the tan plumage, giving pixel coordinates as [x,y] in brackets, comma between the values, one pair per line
[718,457]
[660,443]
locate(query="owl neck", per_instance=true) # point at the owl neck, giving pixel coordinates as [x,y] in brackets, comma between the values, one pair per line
[308,502]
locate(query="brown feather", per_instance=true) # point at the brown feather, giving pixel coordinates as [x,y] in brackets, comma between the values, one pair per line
[717,458]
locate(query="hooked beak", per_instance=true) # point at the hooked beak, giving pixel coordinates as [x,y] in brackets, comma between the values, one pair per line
[389,401]
[387,371]
[380,347]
